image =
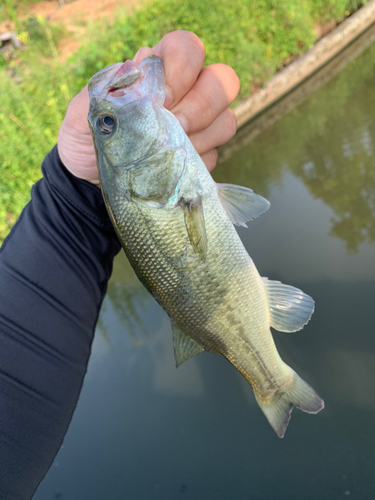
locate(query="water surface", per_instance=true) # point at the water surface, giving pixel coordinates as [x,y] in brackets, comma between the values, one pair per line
[144,430]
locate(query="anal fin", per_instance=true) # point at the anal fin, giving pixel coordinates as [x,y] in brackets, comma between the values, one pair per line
[184,346]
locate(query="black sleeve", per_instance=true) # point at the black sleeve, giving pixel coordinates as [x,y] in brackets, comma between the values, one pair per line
[54,269]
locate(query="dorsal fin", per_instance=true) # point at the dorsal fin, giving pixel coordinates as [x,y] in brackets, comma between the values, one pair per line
[184,347]
[241,204]
[290,308]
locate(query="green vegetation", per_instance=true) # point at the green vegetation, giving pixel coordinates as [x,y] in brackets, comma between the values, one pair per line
[33,100]
[255,37]
[323,10]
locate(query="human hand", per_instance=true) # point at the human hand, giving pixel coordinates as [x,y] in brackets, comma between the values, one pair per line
[198,97]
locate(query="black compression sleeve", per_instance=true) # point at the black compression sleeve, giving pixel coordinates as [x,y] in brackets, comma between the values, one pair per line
[54,268]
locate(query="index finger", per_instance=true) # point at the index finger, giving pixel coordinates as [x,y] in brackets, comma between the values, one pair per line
[183,54]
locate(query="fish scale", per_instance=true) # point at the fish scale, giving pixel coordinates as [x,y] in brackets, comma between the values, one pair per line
[176,227]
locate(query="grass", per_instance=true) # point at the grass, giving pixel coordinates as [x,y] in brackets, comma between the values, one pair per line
[7,5]
[255,37]
[33,99]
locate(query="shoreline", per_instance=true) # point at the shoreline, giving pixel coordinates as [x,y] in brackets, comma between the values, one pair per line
[293,75]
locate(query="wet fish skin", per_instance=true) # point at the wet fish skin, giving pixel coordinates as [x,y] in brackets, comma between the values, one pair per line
[176,227]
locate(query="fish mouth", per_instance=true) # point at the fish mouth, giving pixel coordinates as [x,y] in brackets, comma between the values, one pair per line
[116,87]
[126,76]
[113,80]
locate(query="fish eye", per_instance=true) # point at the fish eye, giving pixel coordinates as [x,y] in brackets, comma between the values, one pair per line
[106,124]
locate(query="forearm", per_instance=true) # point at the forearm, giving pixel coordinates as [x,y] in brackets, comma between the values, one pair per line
[54,269]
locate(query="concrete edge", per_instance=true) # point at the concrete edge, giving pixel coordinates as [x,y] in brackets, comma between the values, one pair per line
[290,77]
[299,94]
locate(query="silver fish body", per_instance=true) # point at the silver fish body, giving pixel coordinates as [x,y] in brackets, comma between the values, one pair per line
[176,227]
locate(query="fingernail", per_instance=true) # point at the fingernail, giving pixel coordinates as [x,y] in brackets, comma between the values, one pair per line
[183,122]
[168,97]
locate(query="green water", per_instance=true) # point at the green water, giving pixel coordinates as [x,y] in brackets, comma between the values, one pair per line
[144,430]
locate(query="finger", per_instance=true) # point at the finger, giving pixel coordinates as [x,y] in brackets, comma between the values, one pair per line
[218,133]
[142,53]
[210,159]
[183,54]
[216,87]
[78,108]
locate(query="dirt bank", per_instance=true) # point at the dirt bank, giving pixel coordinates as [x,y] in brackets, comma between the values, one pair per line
[74,16]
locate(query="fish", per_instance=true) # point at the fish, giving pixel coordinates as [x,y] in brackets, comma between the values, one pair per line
[177,228]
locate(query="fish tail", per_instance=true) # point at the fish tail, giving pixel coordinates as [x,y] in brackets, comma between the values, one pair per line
[278,408]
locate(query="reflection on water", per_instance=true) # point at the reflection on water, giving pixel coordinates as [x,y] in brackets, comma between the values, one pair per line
[352,373]
[127,300]
[144,430]
[328,143]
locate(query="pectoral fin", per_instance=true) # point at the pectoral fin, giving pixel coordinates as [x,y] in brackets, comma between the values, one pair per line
[290,308]
[195,225]
[241,204]
[184,347]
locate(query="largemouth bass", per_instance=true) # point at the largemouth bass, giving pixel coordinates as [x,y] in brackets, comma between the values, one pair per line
[176,227]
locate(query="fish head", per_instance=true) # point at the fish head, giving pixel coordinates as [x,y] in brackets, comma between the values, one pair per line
[125,100]
[139,145]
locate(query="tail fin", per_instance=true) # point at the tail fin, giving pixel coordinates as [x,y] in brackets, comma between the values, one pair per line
[278,409]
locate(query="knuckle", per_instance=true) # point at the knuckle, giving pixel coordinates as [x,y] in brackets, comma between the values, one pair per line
[230,122]
[232,77]
[194,40]
[207,110]
[210,159]
[214,155]
[228,79]
[175,38]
